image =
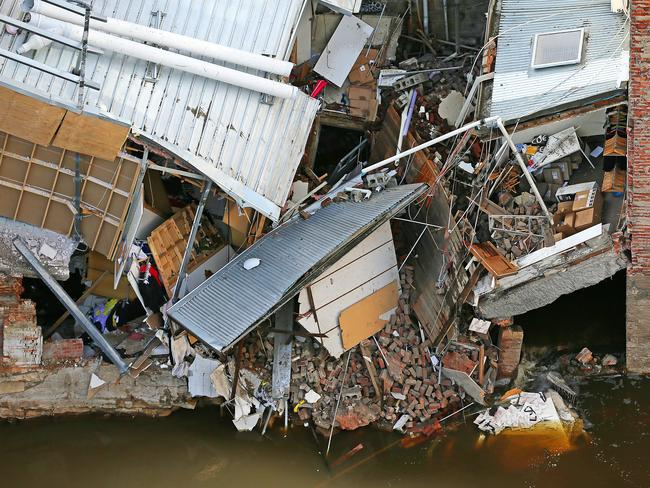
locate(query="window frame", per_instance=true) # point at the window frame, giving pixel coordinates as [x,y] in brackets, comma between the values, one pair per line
[558,63]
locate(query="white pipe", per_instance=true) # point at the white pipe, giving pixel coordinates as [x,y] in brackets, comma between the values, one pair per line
[119,45]
[432,142]
[523,167]
[197,47]
[36,42]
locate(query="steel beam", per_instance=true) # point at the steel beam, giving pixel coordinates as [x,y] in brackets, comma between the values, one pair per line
[69,303]
[64,75]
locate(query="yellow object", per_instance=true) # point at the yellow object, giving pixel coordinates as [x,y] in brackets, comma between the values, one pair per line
[298,405]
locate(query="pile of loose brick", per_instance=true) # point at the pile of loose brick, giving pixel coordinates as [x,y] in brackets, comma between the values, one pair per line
[403,369]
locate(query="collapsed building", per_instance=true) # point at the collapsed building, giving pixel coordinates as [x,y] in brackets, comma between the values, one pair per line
[178,166]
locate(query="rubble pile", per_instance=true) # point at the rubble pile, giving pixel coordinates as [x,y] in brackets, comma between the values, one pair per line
[400,379]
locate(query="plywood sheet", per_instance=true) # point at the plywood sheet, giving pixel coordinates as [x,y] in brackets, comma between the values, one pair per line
[97,264]
[91,135]
[28,118]
[491,260]
[364,318]
[239,222]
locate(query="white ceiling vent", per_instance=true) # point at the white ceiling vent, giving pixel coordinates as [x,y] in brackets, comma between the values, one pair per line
[557,48]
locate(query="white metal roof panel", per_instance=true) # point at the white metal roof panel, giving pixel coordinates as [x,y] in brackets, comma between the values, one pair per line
[520,91]
[234,300]
[248,147]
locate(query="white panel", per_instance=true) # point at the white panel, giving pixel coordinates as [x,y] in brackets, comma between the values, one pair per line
[367,268]
[343,49]
[128,236]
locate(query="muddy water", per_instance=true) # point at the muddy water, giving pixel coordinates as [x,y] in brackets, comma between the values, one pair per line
[199,449]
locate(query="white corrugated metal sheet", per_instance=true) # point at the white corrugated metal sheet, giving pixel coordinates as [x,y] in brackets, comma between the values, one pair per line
[248,147]
[234,300]
[520,91]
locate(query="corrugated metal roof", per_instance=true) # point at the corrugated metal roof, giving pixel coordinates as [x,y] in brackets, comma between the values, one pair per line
[520,91]
[234,300]
[249,148]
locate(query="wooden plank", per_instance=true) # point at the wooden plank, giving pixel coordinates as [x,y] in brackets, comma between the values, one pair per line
[28,118]
[79,301]
[491,260]
[91,135]
[362,319]
[364,347]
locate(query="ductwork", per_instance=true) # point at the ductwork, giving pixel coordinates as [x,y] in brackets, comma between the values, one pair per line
[167,39]
[173,60]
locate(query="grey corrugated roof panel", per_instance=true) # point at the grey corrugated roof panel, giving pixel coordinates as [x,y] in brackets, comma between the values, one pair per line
[520,91]
[253,148]
[234,300]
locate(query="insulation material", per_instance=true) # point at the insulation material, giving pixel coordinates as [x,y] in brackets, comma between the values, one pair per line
[367,268]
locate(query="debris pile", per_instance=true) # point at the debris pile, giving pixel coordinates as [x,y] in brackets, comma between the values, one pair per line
[387,377]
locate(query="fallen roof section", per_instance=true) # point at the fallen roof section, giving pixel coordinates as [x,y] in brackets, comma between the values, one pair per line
[520,91]
[235,300]
[247,144]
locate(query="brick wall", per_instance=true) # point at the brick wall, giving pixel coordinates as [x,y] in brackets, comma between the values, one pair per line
[639,136]
[21,340]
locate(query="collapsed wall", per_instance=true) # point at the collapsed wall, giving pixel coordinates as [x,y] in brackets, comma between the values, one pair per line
[53,378]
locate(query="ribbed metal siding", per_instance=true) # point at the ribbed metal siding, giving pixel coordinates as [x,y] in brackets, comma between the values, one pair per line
[257,144]
[520,90]
[233,300]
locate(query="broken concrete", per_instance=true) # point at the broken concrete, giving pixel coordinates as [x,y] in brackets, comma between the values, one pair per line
[64,390]
[538,285]
[53,250]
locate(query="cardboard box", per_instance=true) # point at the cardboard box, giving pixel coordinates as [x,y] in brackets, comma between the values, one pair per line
[361,93]
[553,175]
[564,207]
[363,103]
[361,72]
[568,192]
[564,223]
[557,237]
[587,199]
[586,218]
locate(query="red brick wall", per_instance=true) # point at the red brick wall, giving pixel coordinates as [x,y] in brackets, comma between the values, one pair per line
[63,349]
[639,136]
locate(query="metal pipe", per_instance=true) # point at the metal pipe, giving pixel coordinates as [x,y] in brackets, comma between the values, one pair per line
[432,142]
[446,19]
[69,303]
[523,167]
[425,16]
[197,47]
[175,60]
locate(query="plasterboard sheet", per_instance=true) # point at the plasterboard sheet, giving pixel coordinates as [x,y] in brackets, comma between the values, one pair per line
[367,268]
[343,49]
